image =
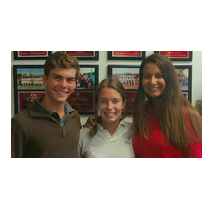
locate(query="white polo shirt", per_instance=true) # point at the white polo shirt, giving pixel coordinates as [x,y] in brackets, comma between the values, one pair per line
[105,145]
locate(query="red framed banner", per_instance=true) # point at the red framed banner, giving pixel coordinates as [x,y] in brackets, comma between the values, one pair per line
[126,55]
[26,98]
[84,55]
[177,55]
[128,75]
[31,55]
[82,101]
[131,99]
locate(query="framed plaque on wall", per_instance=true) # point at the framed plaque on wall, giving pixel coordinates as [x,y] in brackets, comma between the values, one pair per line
[177,55]
[184,74]
[128,75]
[31,55]
[84,55]
[126,55]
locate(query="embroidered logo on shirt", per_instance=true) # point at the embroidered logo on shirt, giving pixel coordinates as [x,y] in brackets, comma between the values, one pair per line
[127,138]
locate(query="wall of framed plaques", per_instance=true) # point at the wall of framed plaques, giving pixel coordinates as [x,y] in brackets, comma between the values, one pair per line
[98,65]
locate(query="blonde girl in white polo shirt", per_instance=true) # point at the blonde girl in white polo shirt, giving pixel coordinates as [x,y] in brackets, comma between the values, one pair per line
[112,137]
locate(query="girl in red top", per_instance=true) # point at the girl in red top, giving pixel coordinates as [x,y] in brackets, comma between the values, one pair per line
[165,123]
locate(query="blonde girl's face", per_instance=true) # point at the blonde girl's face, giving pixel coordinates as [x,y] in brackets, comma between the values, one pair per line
[110,105]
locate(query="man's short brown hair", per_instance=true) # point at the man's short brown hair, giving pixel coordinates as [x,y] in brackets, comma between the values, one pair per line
[61,60]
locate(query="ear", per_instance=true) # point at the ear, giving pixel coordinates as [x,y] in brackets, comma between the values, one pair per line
[44,79]
[124,104]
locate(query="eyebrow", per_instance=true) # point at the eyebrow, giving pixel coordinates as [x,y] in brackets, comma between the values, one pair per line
[62,76]
[107,99]
[155,73]
[56,75]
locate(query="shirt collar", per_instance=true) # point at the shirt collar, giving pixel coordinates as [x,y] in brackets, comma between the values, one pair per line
[122,123]
[68,108]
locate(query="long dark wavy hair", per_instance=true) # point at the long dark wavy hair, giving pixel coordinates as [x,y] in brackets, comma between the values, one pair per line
[173,108]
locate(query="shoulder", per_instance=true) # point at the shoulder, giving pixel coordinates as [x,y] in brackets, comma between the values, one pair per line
[84,137]
[84,132]
[128,125]
[20,117]
[75,114]
[191,113]
[19,121]
[69,109]
[74,117]
[194,150]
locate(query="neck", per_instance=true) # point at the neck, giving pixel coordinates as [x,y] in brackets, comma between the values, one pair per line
[156,104]
[111,128]
[54,107]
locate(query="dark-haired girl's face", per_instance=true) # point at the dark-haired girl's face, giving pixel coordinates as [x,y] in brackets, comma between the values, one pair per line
[153,81]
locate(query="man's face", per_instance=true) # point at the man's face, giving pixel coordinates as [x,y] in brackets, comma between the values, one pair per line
[59,84]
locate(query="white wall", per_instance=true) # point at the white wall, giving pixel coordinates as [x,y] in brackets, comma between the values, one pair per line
[103,63]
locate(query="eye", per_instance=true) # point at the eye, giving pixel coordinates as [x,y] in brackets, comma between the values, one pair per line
[160,75]
[102,101]
[71,79]
[146,76]
[57,77]
[116,101]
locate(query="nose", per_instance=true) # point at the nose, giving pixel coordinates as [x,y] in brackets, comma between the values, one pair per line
[153,80]
[63,83]
[109,105]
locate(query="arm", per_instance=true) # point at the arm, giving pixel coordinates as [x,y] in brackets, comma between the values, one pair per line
[91,122]
[16,141]
[80,148]
[84,140]
[194,150]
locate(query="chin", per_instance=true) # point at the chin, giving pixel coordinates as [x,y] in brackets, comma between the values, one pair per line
[62,100]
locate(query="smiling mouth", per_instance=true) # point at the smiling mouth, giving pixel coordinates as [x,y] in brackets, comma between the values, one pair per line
[110,114]
[154,88]
[61,92]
